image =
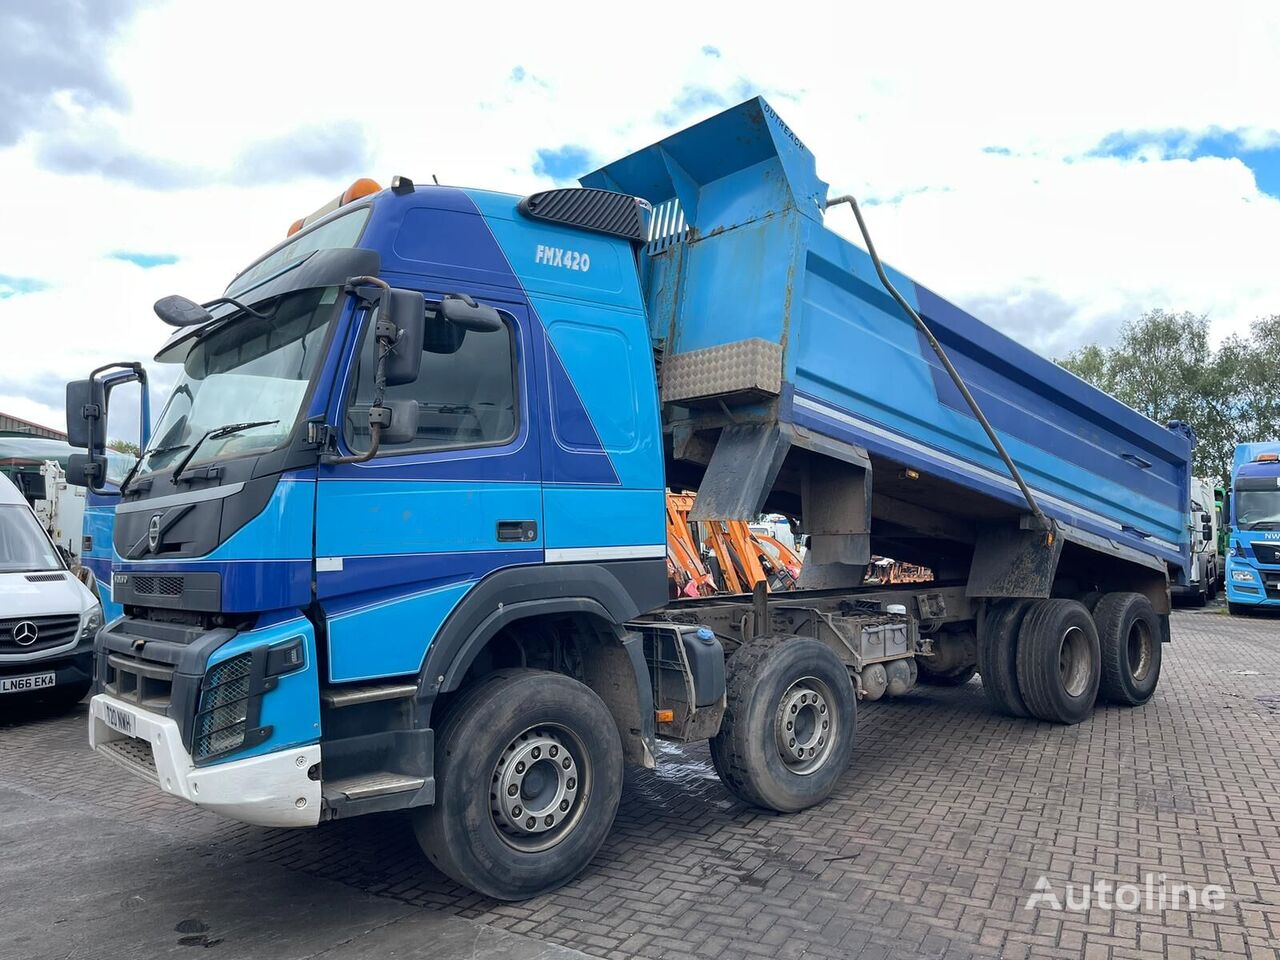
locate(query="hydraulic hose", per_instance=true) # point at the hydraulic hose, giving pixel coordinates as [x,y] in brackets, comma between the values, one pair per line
[1041,519]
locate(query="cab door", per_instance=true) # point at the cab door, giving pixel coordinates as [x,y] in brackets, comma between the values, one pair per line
[401,538]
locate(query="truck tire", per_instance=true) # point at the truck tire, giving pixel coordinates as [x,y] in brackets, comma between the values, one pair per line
[1129,635]
[998,657]
[528,768]
[789,723]
[1059,661]
[1239,609]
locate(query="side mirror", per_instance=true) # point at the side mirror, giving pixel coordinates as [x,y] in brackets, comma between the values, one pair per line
[86,470]
[178,311]
[1205,518]
[85,407]
[462,311]
[404,422]
[408,316]
[1207,532]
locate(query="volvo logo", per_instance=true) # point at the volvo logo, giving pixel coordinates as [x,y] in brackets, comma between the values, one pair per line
[25,633]
[153,533]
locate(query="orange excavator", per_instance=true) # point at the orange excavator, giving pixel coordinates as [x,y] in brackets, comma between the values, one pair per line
[722,556]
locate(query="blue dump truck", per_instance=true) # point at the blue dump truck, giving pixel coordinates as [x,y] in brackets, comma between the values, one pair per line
[397,540]
[1253,519]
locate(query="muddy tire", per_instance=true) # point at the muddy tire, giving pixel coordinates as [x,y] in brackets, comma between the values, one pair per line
[1129,634]
[528,778]
[1059,662]
[998,657]
[789,723]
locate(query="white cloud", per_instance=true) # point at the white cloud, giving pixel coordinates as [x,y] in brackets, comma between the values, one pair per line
[897,102]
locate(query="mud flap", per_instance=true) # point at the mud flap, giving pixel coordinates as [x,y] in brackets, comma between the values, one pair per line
[1010,561]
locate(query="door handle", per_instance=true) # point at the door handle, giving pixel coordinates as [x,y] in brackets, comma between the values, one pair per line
[517,531]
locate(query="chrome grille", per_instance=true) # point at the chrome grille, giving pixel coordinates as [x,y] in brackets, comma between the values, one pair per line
[49,632]
[224,707]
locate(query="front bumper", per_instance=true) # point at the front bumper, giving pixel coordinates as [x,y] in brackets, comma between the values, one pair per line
[71,667]
[271,790]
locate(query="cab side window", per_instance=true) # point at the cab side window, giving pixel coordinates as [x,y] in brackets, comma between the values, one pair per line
[466,390]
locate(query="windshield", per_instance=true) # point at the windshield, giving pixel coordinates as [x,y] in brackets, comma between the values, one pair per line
[23,546]
[1258,509]
[251,369]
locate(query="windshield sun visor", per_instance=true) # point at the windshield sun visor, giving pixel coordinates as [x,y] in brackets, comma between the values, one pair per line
[321,268]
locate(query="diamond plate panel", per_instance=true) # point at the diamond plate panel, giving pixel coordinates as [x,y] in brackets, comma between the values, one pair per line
[743,367]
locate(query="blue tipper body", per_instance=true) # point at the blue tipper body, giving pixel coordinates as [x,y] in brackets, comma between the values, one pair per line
[741,252]
[385,556]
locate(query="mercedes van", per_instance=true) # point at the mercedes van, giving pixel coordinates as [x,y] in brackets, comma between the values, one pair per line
[47,616]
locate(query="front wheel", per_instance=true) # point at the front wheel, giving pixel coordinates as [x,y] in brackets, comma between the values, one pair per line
[789,723]
[528,778]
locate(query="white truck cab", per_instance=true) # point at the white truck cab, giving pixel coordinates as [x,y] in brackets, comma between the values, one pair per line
[48,618]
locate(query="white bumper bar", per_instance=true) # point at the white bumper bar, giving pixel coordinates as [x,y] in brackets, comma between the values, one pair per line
[271,790]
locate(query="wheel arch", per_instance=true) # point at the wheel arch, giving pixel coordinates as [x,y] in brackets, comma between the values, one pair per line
[598,598]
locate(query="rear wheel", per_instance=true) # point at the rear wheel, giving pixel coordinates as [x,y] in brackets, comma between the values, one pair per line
[998,657]
[1129,636]
[789,723]
[528,778]
[1058,661]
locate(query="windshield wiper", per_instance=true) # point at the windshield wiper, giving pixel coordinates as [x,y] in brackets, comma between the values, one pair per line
[217,433]
[147,455]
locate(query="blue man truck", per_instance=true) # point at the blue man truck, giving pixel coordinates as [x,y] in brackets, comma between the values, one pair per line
[1253,525]
[397,539]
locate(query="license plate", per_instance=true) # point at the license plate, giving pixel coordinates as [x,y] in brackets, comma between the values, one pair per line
[116,719]
[39,681]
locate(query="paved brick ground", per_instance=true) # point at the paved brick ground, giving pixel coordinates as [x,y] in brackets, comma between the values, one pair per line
[930,848]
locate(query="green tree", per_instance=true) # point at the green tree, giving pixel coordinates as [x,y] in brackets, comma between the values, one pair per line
[1163,366]
[124,446]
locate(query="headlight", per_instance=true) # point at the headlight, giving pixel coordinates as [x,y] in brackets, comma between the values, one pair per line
[90,621]
[1242,576]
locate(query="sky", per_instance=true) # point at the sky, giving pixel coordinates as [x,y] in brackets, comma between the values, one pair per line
[1055,169]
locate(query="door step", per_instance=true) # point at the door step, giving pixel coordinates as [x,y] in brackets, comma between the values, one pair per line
[353,696]
[367,785]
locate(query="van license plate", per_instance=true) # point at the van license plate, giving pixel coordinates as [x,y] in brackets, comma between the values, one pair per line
[39,681]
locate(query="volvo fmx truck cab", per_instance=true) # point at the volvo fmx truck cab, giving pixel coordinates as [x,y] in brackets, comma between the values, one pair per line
[397,540]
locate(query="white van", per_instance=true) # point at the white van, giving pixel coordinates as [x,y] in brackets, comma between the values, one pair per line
[48,618]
